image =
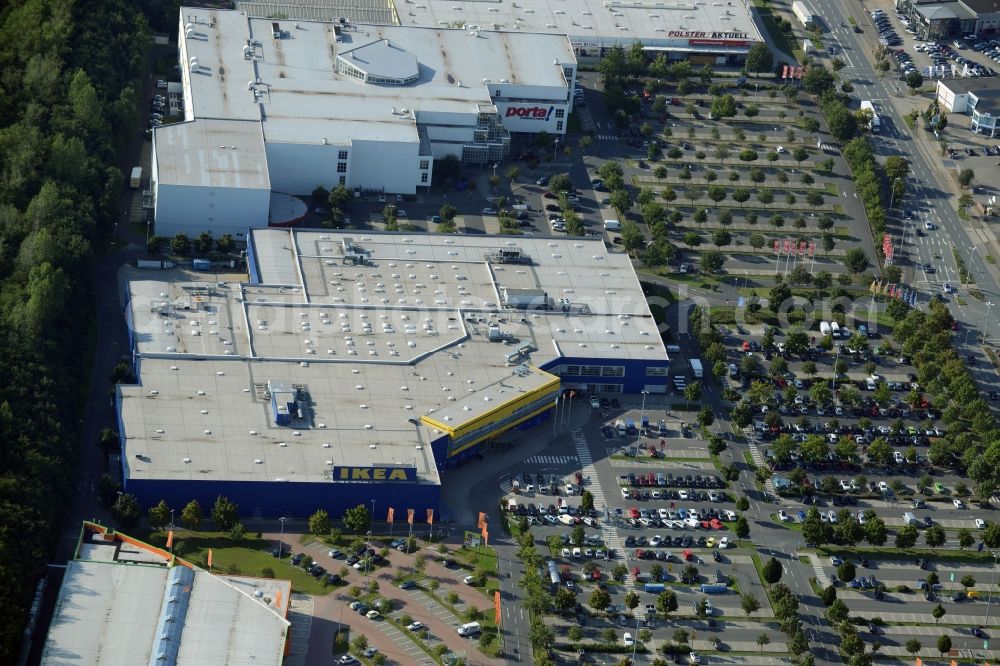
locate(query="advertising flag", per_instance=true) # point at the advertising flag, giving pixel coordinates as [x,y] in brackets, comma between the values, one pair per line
[482,520]
[170,539]
[918,662]
[784,71]
[430,516]
[787,246]
[409,516]
[496,606]
[812,249]
[777,247]
[802,248]
[390,515]
[209,558]
[873,286]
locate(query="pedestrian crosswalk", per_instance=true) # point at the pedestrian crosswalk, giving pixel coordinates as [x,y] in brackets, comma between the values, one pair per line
[827,146]
[821,578]
[758,460]
[606,137]
[551,460]
[134,247]
[608,533]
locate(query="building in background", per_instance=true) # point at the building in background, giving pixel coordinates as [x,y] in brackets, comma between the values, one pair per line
[361,368]
[982,106]
[286,106]
[713,33]
[124,603]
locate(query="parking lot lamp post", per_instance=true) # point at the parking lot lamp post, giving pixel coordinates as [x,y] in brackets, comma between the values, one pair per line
[642,410]
[635,639]
[555,150]
[281,539]
[892,192]
[989,598]
[835,359]
[171,519]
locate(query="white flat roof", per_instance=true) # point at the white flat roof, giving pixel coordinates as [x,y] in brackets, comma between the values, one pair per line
[304,100]
[212,153]
[371,348]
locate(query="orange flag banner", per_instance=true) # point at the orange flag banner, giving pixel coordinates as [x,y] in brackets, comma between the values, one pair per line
[409,516]
[277,600]
[482,520]
[483,530]
[170,539]
[210,558]
[954,663]
[389,516]
[496,606]
[918,662]
[430,516]
[486,538]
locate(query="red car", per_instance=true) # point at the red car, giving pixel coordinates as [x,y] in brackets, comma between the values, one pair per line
[715,523]
[549,195]
[633,512]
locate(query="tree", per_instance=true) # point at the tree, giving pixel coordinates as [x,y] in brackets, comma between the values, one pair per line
[357,520]
[938,612]
[742,527]
[965,538]
[319,523]
[765,196]
[706,416]
[913,646]
[914,80]
[817,80]
[846,572]
[815,199]
[965,177]
[721,238]
[762,640]
[875,532]
[723,107]
[968,580]
[814,530]
[991,535]
[565,600]
[935,536]
[837,612]
[191,516]
[906,537]
[829,595]
[944,644]
[631,600]
[159,515]
[749,603]
[798,644]
[772,571]
[224,514]
[619,572]
[599,599]
[666,602]
[180,244]
[127,510]
[855,260]
[575,633]
[759,58]
[712,261]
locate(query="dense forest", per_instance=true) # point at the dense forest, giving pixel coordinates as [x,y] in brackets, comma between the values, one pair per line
[69,71]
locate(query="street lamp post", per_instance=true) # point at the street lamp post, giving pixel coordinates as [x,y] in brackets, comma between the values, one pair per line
[986,325]
[989,598]
[555,151]
[892,192]
[635,639]
[281,538]
[171,519]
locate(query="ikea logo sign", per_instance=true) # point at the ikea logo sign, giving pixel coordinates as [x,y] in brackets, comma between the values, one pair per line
[374,474]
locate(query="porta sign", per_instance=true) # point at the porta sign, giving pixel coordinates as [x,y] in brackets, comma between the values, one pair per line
[530,112]
[374,474]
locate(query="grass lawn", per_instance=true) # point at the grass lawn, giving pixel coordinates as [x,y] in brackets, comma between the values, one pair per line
[248,556]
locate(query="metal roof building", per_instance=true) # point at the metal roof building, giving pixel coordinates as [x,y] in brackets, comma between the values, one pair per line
[285,106]
[705,32]
[350,359]
[124,603]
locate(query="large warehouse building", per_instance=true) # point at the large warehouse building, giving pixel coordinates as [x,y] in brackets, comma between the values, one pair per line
[714,33]
[126,603]
[285,106]
[361,368]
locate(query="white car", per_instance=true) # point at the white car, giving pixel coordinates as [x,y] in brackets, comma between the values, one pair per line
[836,561]
[577,553]
[883,486]
[564,552]
[694,658]
[724,543]
[628,640]
[469,580]
[959,504]
[947,288]
[862,518]
[415,626]
[980,524]
[783,516]
[656,541]
[683,494]
[489,211]
[335,553]
[373,615]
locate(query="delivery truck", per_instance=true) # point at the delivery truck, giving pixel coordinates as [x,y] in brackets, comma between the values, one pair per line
[805,14]
[155,264]
[873,123]
[696,368]
[136,180]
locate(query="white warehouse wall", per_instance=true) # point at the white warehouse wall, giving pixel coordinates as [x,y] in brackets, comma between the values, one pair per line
[192,210]
[388,165]
[297,168]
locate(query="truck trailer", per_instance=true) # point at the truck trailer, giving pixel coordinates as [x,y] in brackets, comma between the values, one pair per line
[136,180]
[696,368]
[874,124]
[805,14]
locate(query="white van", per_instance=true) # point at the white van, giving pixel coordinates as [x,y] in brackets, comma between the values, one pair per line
[834,329]
[612,225]
[824,328]
[469,629]
[909,519]
[620,427]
